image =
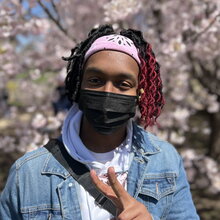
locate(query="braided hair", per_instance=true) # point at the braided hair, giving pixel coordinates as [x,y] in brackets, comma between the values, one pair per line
[150,94]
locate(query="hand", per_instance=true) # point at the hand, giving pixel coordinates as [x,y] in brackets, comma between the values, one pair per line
[127,207]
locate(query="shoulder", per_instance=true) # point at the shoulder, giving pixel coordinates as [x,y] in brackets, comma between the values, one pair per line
[39,163]
[24,167]
[33,157]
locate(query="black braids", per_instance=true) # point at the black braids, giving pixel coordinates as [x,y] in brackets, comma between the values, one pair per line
[137,37]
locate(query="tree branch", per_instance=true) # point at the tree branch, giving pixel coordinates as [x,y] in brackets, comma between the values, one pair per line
[56,21]
[198,35]
[203,76]
[55,9]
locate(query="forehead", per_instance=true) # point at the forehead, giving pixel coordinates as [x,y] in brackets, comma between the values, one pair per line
[112,62]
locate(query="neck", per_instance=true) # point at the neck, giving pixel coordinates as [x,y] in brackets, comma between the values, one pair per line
[100,143]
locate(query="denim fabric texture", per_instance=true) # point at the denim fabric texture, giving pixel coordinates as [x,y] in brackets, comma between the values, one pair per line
[39,188]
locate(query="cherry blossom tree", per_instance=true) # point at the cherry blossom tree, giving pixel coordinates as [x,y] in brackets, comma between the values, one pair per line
[35,34]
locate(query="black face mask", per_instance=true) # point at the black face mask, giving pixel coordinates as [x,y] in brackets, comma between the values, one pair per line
[106,111]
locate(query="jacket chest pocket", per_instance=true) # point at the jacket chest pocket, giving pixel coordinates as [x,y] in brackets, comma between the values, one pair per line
[157,192]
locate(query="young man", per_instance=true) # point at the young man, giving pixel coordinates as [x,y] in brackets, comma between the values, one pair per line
[108,76]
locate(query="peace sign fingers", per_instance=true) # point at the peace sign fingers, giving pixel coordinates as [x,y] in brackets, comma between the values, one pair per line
[105,189]
[128,208]
[122,195]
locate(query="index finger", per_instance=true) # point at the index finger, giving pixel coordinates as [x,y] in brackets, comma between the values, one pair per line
[98,183]
[118,189]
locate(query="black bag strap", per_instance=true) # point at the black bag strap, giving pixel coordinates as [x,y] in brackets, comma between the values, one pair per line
[80,173]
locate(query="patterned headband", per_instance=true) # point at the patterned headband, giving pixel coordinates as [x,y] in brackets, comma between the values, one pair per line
[114,42]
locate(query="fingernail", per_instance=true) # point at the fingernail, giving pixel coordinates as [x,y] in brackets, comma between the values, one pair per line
[112,168]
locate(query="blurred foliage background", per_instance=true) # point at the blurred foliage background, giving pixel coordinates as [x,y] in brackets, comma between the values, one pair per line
[185,36]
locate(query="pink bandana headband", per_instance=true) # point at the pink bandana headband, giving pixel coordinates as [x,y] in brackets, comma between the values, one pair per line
[114,42]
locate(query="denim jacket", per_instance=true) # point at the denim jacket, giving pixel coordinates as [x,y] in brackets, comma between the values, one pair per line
[39,188]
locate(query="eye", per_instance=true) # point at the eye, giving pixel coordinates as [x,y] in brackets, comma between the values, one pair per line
[124,85]
[95,81]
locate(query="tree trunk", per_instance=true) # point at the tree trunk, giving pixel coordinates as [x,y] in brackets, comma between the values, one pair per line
[214,146]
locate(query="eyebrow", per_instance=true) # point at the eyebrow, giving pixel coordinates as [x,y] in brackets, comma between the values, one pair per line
[120,75]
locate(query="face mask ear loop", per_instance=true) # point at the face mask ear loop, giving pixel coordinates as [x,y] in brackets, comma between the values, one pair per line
[137,99]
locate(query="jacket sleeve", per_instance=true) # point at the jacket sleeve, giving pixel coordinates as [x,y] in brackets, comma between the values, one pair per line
[9,198]
[182,206]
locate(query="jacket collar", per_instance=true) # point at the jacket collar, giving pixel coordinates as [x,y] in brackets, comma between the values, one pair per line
[52,166]
[144,142]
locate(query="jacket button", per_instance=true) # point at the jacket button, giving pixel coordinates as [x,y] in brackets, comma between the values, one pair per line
[70,184]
